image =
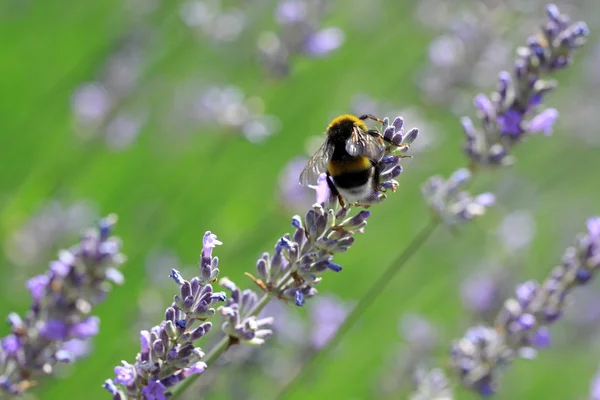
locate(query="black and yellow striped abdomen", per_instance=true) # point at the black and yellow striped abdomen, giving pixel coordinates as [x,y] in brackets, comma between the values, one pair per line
[350,172]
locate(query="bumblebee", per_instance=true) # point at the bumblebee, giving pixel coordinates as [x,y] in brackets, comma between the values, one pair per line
[349,157]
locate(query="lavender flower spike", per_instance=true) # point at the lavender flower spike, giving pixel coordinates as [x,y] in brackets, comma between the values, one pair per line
[510,113]
[168,355]
[300,259]
[522,325]
[63,299]
[451,204]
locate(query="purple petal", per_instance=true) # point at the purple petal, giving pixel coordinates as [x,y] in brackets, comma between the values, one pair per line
[125,375]
[60,268]
[324,41]
[485,199]
[54,329]
[289,12]
[77,347]
[483,103]
[195,369]
[154,391]
[37,286]
[209,242]
[510,123]
[593,226]
[11,344]
[542,338]
[86,328]
[544,121]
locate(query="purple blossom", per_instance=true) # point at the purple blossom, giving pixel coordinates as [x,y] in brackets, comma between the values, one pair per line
[154,391]
[77,347]
[453,205]
[170,346]
[59,316]
[324,41]
[195,369]
[478,292]
[511,112]
[125,375]
[54,329]
[290,11]
[299,33]
[11,344]
[209,242]
[327,314]
[37,286]
[544,121]
[60,268]
[522,325]
[85,329]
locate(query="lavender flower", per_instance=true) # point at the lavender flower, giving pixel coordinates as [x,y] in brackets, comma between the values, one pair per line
[227,107]
[522,324]
[299,260]
[293,196]
[431,385]
[168,355]
[240,323]
[511,112]
[216,24]
[299,34]
[63,299]
[326,316]
[451,204]
[97,105]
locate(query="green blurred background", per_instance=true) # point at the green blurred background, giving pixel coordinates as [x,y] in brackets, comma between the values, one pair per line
[170,176]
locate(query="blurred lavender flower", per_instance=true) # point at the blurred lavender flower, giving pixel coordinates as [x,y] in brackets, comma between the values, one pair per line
[483,291]
[294,269]
[431,385]
[96,105]
[420,334]
[241,325]
[451,204]
[48,226]
[299,22]
[522,324]
[228,107]
[293,196]
[473,43]
[218,25]
[516,230]
[168,355]
[510,113]
[404,368]
[63,299]
[327,313]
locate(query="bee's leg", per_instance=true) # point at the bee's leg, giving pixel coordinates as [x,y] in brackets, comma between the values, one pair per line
[369,116]
[335,191]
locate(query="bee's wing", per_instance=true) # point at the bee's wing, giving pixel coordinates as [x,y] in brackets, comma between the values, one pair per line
[367,144]
[316,165]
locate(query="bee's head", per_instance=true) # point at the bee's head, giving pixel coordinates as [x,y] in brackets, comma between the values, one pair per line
[341,127]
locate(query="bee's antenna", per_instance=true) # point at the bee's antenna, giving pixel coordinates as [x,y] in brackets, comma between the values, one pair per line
[369,116]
